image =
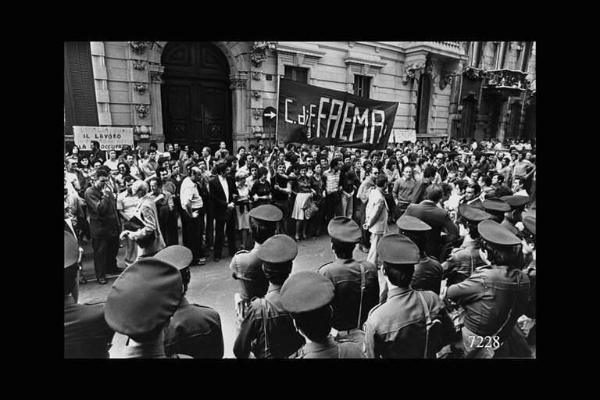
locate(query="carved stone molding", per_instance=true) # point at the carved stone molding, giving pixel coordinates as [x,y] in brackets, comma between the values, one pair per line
[237,83]
[256,76]
[412,72]
[142,110]
[139,65]
[445,79]
[257,113]
[156,76]
[140,88]
[256,94]
[259,52]
[138,47]
[473,73]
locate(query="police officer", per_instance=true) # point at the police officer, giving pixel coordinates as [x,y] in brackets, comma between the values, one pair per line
[511,217]
[268,330]
[245,265]
[307,296]
[194,330]
[86,333]
[356,282]
[411,323]
[428,271]
[139,306]
[496,208]
[529,224]
[464,260]
[493,297]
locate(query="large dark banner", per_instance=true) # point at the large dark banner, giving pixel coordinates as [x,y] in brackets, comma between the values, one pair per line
[315,115]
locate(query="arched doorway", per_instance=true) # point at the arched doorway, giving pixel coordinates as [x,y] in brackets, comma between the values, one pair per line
[468,115]
[196,99]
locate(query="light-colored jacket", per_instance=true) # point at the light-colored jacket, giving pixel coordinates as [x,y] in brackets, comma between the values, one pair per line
[377,212]
[148,214]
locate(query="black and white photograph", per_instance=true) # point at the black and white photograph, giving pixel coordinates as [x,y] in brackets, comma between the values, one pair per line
[299,200]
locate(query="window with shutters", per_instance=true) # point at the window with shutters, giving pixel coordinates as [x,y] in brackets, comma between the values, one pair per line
[297,74]
[80,95]
[362,85]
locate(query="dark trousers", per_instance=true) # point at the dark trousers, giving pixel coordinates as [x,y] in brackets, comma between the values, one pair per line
[222,226]
[365,234]
[192,237]
[210,228]
[105,255]
[172,233]
[333,206]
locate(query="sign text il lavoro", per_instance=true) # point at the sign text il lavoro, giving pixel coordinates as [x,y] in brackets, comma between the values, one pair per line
[109,137]
[315,115]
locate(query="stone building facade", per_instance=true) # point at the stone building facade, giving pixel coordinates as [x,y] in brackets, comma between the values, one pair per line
[200,93]
[497,92]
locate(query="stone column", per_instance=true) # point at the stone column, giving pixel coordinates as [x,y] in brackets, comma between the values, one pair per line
[240,122]
[101,83]
[156,81]
[502,119]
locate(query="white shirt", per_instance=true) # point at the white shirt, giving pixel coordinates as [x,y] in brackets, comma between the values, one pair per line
[189,193]
[223,181]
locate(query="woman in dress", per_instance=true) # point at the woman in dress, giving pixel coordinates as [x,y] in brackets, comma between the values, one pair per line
[260,192]
[282,188]
[304,193]
[317,182]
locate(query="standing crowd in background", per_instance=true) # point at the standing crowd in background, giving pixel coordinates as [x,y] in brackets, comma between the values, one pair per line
[460,207]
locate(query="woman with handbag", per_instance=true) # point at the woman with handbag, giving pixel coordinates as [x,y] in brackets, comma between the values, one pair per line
[143,227]
[304,194]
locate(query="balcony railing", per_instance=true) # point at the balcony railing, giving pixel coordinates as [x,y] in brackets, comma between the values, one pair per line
[506,79]
[452,45]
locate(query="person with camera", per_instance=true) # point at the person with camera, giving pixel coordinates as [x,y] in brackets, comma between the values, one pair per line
[104,224]
[145,229]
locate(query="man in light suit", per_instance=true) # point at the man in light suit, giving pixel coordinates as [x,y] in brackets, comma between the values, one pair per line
[376,216]
[439,220]
[222,194]
[147,213]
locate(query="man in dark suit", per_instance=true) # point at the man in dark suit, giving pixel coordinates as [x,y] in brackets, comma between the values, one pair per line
[223,194]
[87,335]
[436,217]
[104,225]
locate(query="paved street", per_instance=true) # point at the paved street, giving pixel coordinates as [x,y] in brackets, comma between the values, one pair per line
[212,284]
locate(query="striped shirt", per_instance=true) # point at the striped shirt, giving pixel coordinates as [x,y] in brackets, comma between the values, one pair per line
[332,180]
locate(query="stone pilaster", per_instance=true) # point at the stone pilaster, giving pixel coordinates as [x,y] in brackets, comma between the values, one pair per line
[101,83]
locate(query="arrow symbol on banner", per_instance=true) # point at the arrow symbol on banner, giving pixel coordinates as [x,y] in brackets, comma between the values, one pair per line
[271,115]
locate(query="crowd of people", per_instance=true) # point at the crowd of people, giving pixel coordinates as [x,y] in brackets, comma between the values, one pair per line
[461,267]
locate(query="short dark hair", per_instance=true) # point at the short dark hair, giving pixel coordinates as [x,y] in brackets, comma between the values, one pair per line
[262,171]
[434,193]
[342,249]
[399,274]
[334,162]
[128,178]
[220,168]
[262,230]
[475,187]
[381,180]
[500,177]
[315,324]
[503,255]
[429,171]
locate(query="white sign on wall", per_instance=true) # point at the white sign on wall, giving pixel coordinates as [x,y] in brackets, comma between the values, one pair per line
[109,137]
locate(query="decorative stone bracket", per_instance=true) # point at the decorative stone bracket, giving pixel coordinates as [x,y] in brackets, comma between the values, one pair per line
[140,88]
[256,94]
[138,47]
[256,76]
[473,73]
[413,72]
[142,110]
[259,52]
[446,78]
[139,65]
[257,113]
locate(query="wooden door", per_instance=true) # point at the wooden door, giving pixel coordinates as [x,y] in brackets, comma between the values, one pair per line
[196,97]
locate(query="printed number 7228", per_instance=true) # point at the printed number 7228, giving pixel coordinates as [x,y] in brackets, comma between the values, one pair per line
[492,341]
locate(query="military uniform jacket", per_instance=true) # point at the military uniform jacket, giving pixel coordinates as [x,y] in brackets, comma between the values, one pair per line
[247,268]
[428,275]
[463,262]
[488,295]
[346,278]
[397,328]
[194,330]
[87,335]
[331,349]
[282,338]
